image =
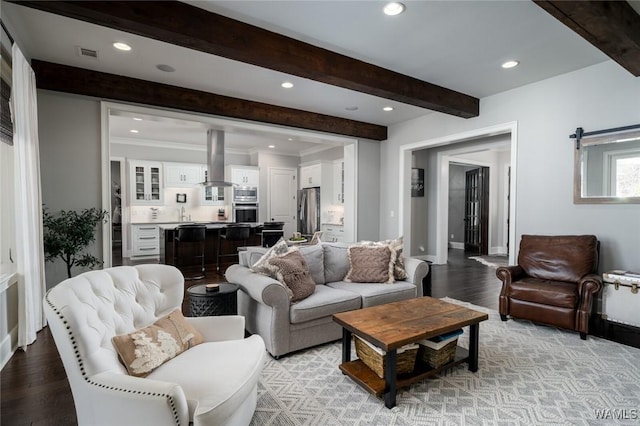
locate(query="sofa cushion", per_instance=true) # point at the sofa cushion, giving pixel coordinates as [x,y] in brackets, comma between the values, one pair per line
[325,301]
[314,256]
[336,261]
[371,264]
[293,272]
[144,350]
[231,378]
[378,294]
[552,293]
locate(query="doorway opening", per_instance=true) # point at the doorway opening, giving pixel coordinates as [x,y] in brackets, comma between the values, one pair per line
[425,222]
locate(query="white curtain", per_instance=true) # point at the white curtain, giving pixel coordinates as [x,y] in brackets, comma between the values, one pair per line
[28,204]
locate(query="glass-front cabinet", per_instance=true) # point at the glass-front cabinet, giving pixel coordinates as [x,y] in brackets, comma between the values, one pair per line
[211,195]
[145,180]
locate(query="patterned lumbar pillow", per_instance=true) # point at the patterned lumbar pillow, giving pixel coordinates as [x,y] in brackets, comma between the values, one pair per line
[292,271]
[262,266]
[399,271]
[371,264]
[142,351]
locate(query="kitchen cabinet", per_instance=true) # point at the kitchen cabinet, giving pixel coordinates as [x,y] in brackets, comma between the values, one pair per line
[182,174]
[211,195]
[311,176]
[146,184]
[338,182]
[332,233]
[145,240]
[245,175]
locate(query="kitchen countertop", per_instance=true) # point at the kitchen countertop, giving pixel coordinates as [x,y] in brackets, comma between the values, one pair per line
[332,224]
[209,225]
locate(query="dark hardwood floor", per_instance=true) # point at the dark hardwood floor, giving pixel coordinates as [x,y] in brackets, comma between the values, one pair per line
[33,385]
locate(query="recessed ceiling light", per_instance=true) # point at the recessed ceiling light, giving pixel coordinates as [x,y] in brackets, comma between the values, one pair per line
[352,108]
[137,118]
[510,64]
[272,146]
[133,131]
[289,139]
[394,8]
[387,108]
[122,46]
[287,85]
[165,68]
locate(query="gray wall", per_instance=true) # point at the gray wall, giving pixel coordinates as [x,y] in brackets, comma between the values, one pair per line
[547,112]
[368,187]
[70,163]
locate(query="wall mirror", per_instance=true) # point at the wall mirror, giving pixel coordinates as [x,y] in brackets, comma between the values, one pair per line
[607,167]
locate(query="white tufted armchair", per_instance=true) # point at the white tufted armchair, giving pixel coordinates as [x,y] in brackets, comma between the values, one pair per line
[214,383]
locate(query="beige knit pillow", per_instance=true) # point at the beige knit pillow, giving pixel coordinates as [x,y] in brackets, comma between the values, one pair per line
[262,266]
[142,351]
[371,264]
[292,271]
[399,271]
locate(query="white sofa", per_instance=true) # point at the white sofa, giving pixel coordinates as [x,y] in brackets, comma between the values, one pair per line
[286,327]
[213,383]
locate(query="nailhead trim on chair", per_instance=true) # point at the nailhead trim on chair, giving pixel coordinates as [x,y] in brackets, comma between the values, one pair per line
[91,382]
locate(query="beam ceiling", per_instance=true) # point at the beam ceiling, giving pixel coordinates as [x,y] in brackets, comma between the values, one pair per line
[194,28]
[80,81]
[611,26]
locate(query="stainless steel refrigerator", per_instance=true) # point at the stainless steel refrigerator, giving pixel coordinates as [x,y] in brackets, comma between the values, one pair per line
[309,211]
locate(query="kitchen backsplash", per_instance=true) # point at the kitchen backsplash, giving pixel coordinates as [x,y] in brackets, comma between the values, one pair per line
[171,210]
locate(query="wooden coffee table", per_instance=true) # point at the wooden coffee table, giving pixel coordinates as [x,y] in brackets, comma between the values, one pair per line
[393,325]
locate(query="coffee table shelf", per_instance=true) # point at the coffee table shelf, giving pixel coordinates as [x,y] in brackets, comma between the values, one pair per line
[393,325]
[375,385]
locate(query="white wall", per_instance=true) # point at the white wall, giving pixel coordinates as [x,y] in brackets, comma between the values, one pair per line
[598,97]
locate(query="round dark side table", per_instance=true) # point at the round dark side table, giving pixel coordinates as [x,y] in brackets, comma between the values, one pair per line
[204,303]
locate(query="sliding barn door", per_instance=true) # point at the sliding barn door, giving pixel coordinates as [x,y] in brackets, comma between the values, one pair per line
[476,211]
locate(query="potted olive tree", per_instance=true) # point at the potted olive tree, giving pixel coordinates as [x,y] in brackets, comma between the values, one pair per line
[67,235]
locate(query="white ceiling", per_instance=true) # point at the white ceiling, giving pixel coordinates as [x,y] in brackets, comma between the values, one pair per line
[456,44]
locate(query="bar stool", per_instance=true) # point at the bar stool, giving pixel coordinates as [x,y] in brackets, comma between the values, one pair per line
[190,239]
[232,233]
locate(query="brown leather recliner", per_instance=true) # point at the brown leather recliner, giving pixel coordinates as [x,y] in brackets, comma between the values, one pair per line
[554,282]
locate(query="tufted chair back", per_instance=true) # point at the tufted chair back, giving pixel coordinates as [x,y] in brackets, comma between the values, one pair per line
[86,311]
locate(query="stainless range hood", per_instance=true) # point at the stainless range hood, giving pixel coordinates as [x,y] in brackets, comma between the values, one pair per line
[215,159]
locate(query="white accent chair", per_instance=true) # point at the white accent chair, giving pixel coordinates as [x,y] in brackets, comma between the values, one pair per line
[214,383]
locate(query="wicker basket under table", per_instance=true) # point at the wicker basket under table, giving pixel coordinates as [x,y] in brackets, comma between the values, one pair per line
[437,358]
[405,360]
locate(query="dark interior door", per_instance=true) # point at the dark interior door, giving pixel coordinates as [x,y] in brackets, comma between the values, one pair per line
[476,211]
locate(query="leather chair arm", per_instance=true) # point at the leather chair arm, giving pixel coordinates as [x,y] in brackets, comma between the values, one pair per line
[121,398]
[509,274]
[261,288]
[588,286]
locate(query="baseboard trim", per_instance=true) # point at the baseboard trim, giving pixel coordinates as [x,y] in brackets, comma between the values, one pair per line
[498,250]
[457,246]
[8,346]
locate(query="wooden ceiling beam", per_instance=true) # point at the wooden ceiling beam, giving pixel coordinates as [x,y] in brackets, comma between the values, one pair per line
[611,26]
[63,78]
[188,26]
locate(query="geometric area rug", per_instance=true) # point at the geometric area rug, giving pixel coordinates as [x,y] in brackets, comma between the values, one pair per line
[528,375]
